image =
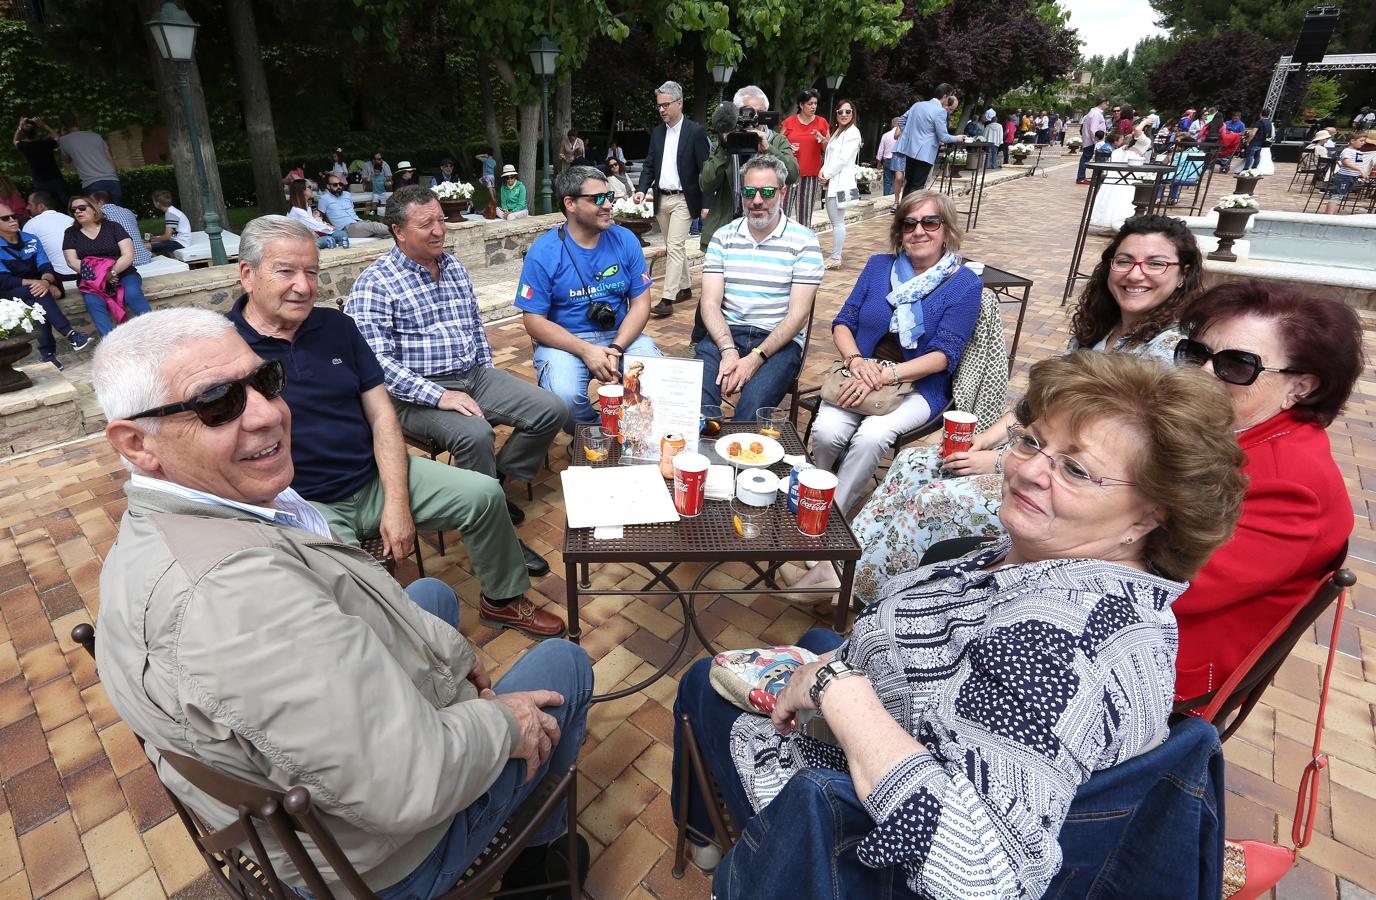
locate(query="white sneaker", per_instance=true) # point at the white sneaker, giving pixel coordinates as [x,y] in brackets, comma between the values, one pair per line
[706,857]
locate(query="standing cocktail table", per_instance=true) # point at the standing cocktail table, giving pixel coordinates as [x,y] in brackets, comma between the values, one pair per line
[710,538]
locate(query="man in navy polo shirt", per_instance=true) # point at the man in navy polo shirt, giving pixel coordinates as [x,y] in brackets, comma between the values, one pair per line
[350,458]
[585,295]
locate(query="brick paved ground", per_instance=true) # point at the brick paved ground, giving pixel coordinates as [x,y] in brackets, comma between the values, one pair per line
[81,814]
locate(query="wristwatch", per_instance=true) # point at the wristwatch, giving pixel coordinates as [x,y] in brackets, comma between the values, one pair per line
[832,671]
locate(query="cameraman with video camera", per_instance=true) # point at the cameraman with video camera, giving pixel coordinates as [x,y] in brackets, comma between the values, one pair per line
[743,128]
[585,294]
[38,151]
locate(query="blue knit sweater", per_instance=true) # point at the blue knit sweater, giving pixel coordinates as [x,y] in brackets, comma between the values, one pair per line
[948,316]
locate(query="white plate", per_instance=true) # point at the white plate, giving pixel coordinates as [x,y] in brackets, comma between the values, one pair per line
[773,450]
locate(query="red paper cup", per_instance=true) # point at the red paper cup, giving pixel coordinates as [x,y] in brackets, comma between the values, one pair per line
[959,434]
[690,483]
[609,398]
[816,488]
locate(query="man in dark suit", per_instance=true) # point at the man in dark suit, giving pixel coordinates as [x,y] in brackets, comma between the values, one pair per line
[678,151]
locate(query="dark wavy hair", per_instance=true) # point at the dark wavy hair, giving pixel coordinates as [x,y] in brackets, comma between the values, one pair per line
[1322,337]
[1097,312]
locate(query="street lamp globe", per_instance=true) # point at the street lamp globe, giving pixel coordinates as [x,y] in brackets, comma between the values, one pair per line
[834,81]
[722,72]
[544,55]
[174,32]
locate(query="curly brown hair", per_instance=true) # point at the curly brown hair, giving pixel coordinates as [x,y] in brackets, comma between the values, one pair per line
[1189,462]
[1097,312]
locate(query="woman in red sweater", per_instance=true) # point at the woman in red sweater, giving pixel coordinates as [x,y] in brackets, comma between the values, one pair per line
[807,134]
[1289,362]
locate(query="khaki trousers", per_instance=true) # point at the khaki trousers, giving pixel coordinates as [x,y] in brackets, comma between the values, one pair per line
[674,217]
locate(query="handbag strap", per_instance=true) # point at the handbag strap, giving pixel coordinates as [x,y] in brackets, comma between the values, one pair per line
[1307,801]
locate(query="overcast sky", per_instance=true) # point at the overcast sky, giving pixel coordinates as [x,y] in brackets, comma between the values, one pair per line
[1108,27]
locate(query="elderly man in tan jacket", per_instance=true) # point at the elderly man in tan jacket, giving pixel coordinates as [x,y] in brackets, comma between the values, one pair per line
[235,630]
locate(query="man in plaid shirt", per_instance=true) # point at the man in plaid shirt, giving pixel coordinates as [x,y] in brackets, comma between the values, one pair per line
[416,308]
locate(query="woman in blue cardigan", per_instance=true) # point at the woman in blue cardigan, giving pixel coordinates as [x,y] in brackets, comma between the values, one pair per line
[907,320]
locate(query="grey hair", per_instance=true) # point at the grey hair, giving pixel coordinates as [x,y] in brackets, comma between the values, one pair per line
[570,182]
[750,90]
[265,230]
[402,199]
[766,161]
[672,88]
[129,367]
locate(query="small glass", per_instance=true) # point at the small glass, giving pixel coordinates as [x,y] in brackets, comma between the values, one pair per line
[772,420]
[747,520]
[709,424]
[597,445]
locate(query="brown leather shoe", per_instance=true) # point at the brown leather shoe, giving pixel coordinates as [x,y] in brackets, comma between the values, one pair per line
[524,616]
[663,309]
[684,295]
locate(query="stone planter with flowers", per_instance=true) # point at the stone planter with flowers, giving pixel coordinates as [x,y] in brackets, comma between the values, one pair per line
[17,321]
[456,198]
[1233,212]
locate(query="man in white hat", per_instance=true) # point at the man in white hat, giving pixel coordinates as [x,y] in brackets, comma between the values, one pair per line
[512,204]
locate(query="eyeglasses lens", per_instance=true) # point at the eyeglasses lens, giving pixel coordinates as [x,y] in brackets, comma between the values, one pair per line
[1233,366]
[928,223]
[226,402]
[765,192]
[80,207]
[10,218]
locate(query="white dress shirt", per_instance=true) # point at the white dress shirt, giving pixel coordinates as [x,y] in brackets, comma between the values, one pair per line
[49,226]
[289,508]
[668,167]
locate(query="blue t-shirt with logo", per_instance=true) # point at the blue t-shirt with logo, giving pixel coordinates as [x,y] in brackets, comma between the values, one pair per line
[561,280]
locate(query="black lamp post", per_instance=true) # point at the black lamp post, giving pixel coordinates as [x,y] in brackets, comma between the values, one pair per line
[721,74]
[175,34]
[834,85]
[544,56]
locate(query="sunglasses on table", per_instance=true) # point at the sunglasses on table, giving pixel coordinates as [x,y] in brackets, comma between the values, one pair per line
[928,223]
[226,402]
[597,199]
[79,207]
[765,192]
[1240,367]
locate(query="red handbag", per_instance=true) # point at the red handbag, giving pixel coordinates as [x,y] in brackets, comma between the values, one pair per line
[1251,868]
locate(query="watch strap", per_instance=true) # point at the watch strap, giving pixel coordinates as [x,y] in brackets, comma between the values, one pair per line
[832,671]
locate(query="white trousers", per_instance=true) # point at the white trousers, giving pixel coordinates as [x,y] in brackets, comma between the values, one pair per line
[862,440]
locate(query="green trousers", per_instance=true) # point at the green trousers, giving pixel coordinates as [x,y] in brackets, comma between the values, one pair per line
[445,498]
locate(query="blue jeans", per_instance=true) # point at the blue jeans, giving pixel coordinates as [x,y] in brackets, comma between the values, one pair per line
[566,376]
[1251,157]
[712,718]
[766,388]
[168,247]
[1086,154]
[991,159]
[53,320]
[110,186]
[888,177]
[550,665]
[338,238]
[135,304]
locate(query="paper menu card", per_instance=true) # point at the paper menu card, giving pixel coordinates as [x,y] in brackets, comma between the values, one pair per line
[616,495]
[663,396]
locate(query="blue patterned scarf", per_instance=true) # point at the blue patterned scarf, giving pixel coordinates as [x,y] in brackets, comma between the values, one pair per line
[907,290]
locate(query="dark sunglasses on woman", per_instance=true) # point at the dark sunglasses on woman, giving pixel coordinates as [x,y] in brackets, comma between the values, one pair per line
[1239,367]
[226,402]
[928,223]
[79,207]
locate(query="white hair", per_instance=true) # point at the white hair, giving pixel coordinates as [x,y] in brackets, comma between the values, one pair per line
[264,230]
[672,88]
[750,90]
[131,363]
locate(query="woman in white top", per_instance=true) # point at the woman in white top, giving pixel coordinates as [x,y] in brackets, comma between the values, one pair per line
[326,235]
[338,166]
[838,175]
[618,180]
[993,133]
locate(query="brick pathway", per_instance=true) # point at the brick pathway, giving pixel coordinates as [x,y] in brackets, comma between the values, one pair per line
[82,816]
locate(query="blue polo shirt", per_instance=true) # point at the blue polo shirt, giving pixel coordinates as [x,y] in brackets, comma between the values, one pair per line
[561,280]
[328,367]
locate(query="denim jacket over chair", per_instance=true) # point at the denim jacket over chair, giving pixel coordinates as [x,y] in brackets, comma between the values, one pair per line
[1149,827]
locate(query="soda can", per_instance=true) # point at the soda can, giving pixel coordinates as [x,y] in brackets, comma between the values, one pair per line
[670,446]
[793,485]
[816,488]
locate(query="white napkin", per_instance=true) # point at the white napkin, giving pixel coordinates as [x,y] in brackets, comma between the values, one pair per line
[721,482]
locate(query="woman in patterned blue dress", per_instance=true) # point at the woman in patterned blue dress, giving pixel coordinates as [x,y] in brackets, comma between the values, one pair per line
[988,689]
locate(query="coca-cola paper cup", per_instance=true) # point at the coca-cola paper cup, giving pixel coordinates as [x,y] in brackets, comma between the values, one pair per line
[959,433]
[690,483]
[609,401]
[816,488]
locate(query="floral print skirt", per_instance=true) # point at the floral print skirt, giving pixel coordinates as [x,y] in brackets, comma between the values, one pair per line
[916,507]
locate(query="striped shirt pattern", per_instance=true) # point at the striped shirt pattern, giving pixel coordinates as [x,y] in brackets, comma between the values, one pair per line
[759,276]
[1020,683]
[419,327]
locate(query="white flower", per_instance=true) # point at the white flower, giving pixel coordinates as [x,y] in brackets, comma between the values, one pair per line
[1238,201]
[1020,149]
[450,190]
[867,174]
[627,208]
[16,316]
[1249,173]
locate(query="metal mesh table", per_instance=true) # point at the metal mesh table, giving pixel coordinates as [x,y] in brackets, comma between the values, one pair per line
[709,538]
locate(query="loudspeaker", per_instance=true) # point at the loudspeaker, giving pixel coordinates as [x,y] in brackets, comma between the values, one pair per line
[1312,43]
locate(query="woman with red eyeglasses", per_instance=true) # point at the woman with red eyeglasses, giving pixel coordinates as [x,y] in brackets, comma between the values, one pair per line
[1131,304]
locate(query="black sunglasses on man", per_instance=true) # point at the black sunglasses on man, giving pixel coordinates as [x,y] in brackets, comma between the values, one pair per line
[226,402]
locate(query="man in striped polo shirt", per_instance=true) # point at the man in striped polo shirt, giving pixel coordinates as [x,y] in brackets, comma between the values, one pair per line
[759,280]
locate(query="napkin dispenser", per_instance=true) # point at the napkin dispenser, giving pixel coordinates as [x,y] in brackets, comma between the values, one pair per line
[757,487]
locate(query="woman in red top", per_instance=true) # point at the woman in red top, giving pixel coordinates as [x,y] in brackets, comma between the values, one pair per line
[1289,363]
[807,132]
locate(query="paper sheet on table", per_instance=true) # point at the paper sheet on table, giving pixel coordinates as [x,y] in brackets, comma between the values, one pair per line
[616,495]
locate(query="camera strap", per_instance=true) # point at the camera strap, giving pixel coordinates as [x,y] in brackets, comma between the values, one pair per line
[587,288]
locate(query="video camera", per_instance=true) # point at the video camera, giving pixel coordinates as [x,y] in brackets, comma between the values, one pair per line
[742,137]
